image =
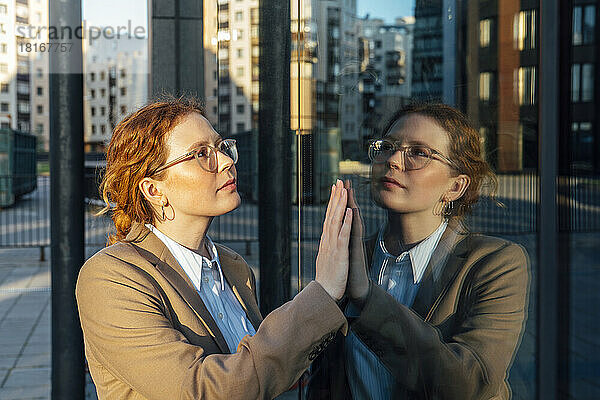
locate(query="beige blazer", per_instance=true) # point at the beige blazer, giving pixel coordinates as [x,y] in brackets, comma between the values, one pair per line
[458,339]
[148,335]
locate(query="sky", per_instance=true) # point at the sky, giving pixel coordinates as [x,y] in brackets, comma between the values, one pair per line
[388,10]
[115,12]
[118,12]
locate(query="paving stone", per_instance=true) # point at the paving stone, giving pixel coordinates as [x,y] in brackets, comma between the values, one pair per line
[34,360]
[7,362]
[25,393]
[32,349]
[27,377]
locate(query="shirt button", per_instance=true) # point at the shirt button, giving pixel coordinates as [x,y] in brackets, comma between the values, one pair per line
[220,315]
[205,279]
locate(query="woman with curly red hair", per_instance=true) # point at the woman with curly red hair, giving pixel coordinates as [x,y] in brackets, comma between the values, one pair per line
[168,314]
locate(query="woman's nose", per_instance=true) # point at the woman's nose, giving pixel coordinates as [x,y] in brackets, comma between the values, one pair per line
[396,161]
[223,161]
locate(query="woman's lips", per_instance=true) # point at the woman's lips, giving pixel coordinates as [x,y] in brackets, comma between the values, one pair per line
[390,183]
[229,185]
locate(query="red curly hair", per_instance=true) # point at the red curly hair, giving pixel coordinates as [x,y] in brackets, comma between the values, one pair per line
[136,149]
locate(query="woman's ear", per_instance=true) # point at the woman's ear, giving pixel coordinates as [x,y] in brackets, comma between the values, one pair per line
[151,192]
[458,188]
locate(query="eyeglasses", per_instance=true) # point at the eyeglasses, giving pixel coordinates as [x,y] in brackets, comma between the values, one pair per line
[414,156]
[206,155]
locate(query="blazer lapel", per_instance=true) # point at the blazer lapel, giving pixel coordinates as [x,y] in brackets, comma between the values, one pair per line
[235,271]
[445,263]
[155,251]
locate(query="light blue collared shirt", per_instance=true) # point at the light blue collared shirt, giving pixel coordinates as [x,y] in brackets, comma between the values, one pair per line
[400,276]
[207,277]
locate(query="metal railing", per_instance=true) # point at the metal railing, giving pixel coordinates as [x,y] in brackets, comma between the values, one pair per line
[27,222]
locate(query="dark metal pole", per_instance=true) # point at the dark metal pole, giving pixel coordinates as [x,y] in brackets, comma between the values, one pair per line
[66,200]
[549,379]
[176,47]
[274,154]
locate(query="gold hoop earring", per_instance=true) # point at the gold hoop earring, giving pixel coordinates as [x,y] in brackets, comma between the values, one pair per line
[162,207]
[448,208]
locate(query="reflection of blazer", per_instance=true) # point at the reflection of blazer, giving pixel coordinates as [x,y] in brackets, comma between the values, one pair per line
[148,335]
[458,339]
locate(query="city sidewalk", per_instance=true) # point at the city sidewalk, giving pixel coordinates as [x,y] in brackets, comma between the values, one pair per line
[25,309]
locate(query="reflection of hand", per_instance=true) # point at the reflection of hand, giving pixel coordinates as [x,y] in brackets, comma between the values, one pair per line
[332,259]
[358,281]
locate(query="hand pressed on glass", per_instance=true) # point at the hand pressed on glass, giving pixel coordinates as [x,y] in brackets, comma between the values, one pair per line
[332,259]
[357,288]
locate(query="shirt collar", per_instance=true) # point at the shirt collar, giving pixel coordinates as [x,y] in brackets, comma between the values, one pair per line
[191,255]
[419,254]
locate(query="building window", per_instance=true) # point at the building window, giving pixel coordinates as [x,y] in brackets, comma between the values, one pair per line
[103,92]
[22,87]
[485,86]
[239,71]
[238,34]
[23,126]
[40,109]
[102,75]
[584,24]
[3,48]
[93,111]
[485,32]
[40,73]
[103,111]
[39,129]
[4,107]
[3,9]
[93,129]
[123,91]
[123,73]
[587,82]
[4,68]
[582,145]
[525,30]
[240,127]
[40,91]
[239,108]
[240,53]
[582,82]
[123,110]
[575,82]
[239,90]
[239,16]
[93,94]
[23,107]
[526,85]
[4,87]
[103,129]
[4,125]
[92,76]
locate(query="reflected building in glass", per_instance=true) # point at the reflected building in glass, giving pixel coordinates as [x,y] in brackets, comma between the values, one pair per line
[386,70]
[498,85]
[428,62]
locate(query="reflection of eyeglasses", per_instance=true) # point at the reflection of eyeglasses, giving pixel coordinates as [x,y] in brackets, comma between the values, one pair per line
[206,155]
[414,156]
